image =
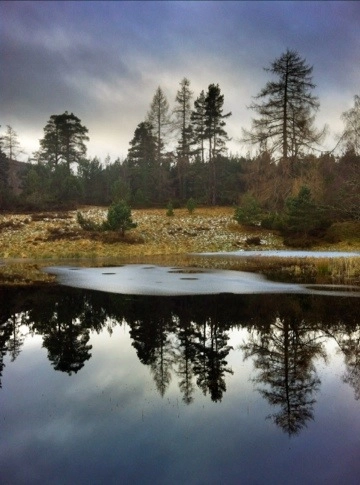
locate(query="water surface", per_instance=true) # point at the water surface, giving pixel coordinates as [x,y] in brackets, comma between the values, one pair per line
[139,279]
[286,254]
[109,388]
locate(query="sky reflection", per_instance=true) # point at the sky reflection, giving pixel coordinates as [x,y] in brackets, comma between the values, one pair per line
[111,421]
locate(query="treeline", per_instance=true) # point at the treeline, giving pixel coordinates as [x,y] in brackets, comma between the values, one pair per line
[187,338]
[181,153]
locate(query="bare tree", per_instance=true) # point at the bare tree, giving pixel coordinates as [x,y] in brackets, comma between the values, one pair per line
[182,114]
[11,144]
[159,117]
[286,121]
[351,134]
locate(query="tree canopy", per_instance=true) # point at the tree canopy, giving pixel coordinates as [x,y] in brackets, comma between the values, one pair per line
[64,140]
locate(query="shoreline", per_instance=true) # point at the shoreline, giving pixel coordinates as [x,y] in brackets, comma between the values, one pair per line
[208,238]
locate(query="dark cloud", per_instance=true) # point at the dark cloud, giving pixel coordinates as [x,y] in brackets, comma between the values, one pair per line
[104,60]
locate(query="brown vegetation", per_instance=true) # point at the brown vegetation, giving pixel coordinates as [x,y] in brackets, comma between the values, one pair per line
[47,238]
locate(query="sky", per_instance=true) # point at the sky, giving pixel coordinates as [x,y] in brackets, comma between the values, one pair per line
[104,60]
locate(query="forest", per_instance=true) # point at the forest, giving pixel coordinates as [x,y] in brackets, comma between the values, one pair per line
[180,154]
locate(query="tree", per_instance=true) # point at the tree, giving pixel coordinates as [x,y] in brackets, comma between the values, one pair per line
[302,215]
[36,187]
[159,118]
[119,218]
[214,121]
[140,162]
[198,125]
[10,143]
[4,179]
[64,140]
[191,205]
[214,131]
[182,113]
[286,109]
[249,213]
[91,175]
[351,134]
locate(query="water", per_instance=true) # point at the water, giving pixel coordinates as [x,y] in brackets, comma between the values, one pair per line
[286,254]
[101,387]
[139,279]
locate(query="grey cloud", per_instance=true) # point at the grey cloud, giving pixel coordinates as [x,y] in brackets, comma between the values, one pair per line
[104,60]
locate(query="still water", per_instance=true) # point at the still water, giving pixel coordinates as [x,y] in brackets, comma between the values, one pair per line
[105,388]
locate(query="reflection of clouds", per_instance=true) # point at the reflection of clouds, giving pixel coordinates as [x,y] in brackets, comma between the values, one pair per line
[110,421]
[134,280]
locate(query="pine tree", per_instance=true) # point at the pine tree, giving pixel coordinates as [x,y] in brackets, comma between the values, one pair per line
[64,140]
[214,121]
[214,132]
[197,118]
[141,161]
[4,178]
[182,112]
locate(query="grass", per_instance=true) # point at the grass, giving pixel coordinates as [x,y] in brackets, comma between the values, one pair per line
[30,242]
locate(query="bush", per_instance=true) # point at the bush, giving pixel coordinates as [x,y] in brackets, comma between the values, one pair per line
[119,218]
[191,205]
[272,221]
[249,213]
[87,224]
[170,210]
[303,217]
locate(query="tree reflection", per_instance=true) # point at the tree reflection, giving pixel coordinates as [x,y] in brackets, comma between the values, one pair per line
[67,347]
[284,357]
[348,340]
[16,339]
[11,338]
[186,356]
[151,326]
[65,333]
[210,365]
[352,362]
[5,334]
[188,338]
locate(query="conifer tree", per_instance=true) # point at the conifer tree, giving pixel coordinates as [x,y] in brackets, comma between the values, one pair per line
[182,113]
[64,140]
[198,126]
[159,118]
[141,161]
[214,121]
[285,109]
[214,132]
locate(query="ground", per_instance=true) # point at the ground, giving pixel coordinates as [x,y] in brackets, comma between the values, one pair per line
[50,235]
[30,241]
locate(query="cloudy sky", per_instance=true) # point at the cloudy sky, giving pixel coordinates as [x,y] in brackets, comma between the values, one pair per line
[104,60]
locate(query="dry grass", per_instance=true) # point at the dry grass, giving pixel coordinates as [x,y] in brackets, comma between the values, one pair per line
[49,237]
[53,236]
